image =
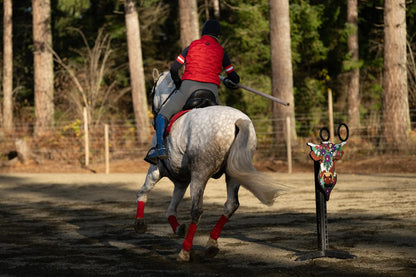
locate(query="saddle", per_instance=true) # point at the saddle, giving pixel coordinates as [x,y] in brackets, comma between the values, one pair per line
[200,98]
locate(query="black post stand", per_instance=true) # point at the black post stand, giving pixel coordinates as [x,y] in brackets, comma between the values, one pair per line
[321,223]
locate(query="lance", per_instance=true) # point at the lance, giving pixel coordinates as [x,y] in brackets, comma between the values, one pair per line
[284,103]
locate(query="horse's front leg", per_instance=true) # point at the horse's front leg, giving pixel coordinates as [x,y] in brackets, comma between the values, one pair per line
[152,177]
[230,206]
[197,193]
[177,196]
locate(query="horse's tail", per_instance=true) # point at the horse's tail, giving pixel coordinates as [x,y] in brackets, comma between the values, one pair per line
[240,165]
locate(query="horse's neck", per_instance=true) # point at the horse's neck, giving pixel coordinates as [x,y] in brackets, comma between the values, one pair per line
[166,85]
[164,88]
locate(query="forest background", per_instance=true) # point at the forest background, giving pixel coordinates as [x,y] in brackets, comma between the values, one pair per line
[89,37]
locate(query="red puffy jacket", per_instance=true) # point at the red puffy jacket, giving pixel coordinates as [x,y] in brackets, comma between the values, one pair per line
[204,61]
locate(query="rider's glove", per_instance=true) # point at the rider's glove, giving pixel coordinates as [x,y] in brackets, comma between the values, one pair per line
[229,84]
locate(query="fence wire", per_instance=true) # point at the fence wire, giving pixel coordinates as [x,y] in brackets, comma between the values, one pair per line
[65,143]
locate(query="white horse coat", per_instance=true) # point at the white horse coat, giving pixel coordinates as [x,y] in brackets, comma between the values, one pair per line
[202,143]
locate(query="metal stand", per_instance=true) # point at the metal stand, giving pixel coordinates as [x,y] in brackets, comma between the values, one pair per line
[322,231]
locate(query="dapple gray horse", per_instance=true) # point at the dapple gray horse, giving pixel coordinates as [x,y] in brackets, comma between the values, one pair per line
[203,143]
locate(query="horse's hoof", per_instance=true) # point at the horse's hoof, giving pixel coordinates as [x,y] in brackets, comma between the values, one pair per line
[182,230]
[184,256]
[211,252]
[211,249]
[140,226]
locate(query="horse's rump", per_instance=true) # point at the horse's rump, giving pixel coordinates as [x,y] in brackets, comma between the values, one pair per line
[205,140]
[202,138]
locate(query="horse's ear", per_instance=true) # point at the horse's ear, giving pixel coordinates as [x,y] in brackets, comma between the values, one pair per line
[155,74]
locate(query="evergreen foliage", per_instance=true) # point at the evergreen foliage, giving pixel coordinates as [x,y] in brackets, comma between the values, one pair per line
[319,49]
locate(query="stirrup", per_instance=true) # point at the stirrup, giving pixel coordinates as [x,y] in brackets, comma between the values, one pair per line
[151,156]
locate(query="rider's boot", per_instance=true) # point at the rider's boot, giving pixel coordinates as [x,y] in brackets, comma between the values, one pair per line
[151,156]
[161,151]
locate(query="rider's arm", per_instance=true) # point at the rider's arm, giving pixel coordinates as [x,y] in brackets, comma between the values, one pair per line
[229,69]
[176,65]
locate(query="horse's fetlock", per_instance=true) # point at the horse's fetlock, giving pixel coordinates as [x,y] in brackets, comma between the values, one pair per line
[211,249]
[184,256]
[212,243]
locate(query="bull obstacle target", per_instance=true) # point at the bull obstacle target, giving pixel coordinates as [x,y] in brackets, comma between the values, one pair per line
[324,156]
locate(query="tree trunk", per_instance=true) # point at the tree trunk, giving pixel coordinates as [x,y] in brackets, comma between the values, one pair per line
[137,80]
[281,63]
[43,66]
[396,116]
[216,9]
[354,78]
[7,66]
[207,9]
[188,15]
[23,151]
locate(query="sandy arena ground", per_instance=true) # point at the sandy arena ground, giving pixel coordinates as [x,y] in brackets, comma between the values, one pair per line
[81,225]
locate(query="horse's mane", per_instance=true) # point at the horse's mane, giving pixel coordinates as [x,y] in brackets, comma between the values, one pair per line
[162,89]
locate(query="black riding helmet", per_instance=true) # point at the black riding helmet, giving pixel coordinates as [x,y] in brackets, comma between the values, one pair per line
[212,28]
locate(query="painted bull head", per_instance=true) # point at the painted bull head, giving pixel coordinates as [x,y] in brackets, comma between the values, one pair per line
[326,154]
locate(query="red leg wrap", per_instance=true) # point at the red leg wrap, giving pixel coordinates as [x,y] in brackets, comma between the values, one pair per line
[173,222]
[187,244]
[140,209]
[216,231]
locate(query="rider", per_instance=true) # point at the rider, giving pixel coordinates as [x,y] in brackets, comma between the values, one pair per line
[204,59]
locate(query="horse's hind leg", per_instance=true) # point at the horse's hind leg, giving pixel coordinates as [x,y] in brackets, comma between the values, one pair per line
[153,176]
[197,192]
[177,197]
[230,206]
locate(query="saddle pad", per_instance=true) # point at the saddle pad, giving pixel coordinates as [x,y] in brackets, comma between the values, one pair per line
[172,120]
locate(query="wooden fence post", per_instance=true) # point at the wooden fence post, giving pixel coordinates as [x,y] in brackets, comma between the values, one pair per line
[331,115]
[289,145]
[87,150]
[107,152]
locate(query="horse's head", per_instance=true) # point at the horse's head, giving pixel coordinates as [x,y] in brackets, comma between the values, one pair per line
[162,88]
